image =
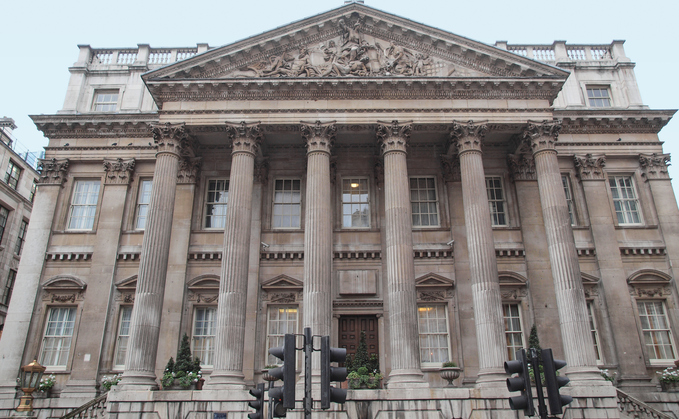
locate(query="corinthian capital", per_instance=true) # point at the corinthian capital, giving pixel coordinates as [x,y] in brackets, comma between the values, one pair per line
[118,171]
[171,138]
[189,170]
[52,171]
[467,136]
[393,136]
[654,166]
[244,137]
[521,166]
[319,136]
[590,167]
[542,135]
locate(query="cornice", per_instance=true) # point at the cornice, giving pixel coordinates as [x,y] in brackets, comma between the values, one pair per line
[591,121]
[353,110]
[96,125]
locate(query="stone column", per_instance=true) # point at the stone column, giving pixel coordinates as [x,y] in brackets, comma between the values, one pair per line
[486,296]
[402,296]
[140,362]
[570,295]
[20,312]
[319,139]
[231,310]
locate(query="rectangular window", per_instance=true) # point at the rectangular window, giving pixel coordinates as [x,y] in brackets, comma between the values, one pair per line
[12,175]
[287,203]
[656,330]
[204,335]
[569,197]
[105,101]
[281,320]
[593,328]
[123,336]
[599,97]
[34,189]
[355,203]
[424,202]
[513,334]
[4,214]
[433,328]
[9,287]
[625,199]
[143,203]
[56,342]
[22,236]
[496,201]
[83,205]
[215,204]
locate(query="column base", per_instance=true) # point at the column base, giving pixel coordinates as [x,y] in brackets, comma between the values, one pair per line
[138,381]
[407,379]
[585,376]
[492,378]
[225,380]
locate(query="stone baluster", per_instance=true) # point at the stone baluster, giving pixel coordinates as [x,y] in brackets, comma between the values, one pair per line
[231,309]
[319,138]
[171,141]
[570,295]
[402,297]
[52,176]
[487,300]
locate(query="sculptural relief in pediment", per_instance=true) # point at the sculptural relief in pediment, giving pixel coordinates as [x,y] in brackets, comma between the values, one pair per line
[351,53]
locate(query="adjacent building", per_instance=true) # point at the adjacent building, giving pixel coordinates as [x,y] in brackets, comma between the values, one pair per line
[352,171]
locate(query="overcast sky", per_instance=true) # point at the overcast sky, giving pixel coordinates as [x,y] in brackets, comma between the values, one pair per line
[39,38]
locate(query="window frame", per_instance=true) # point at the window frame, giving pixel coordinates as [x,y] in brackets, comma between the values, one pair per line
[367,202]
[435,202]
[106,91]
[614,200]
[270,359]
[3,221]
[21,237]
[599,88]
[594,330]
[511,353]
[284,204]
[34,190]
[503,201]
[444,306]
[194,337]
[9,287]
[10,179]
[44,337]
[668,329]
[207,203]
[141,204]
[71,205]
[570,200]
[116,352]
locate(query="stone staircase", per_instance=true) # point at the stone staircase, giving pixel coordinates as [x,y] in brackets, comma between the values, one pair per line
[94,409]
[633,408]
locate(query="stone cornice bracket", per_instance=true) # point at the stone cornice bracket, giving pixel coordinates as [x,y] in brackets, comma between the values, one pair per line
[172,138]
[590,167]
[654,166]
[542,136]
[450,167]
[118,171]
[318,136]
[245,137]
[521,167]
[189,170]
[52,171]
[393,136]
[467,136]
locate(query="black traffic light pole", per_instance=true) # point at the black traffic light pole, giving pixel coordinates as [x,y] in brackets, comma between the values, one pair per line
[535,364]
[308,350]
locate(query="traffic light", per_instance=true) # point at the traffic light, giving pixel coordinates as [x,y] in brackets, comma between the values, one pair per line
[258,404]
[328,373]
[276,395]
[554,382]
[521,383]
[287,354]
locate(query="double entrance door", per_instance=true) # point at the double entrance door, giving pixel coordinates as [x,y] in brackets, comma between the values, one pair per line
[350,328]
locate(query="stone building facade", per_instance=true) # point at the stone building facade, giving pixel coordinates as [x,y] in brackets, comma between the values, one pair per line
[350,171]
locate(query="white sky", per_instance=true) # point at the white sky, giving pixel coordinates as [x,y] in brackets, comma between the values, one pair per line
[39,38]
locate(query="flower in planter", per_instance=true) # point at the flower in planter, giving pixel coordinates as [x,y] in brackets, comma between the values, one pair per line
[185,371]
[108,382]
[449,364]
[46,383]
[608,375]
[669,375]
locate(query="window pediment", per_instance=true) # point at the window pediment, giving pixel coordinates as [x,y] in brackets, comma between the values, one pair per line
[282,283]
[432,280]
[127,284]
[204,282]
[64,283]
[649,283]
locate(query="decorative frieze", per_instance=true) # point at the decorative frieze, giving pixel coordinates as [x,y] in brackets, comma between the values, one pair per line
[542,135]
[590,167]
[189,170]
[282,255]
[393,136]
[52,171]
[244,137]
[643,251]
[318,136]
[118,171]
[468,136]
[68,256]
[654,166]
[521,167]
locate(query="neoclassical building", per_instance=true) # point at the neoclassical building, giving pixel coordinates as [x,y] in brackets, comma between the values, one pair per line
[352,171]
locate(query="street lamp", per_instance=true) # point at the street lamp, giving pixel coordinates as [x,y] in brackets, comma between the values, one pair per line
[30,378]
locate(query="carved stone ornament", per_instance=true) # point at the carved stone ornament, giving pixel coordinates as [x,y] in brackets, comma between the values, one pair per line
[432,295]
[513,293]
[590,167]
[52,171]
[648,292]
[244,137]
[319,136]
[63,298]
[118,171]
[542,135]
[521,167]
[172,138]
[281,297]
[450,166]
[467,136]
[128,297]
[189,170]
[261,171]
[393,136]
[378,167]
[654,166]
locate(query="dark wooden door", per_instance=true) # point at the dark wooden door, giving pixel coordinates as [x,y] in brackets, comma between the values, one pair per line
[350,328]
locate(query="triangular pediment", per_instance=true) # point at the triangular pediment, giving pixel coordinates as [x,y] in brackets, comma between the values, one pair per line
[432,280]
[282,282]
[127,283]
[352,42]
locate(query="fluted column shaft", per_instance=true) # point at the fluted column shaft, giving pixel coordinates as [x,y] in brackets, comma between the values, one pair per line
[318,231]
[570,295]
[402,300]
[140,361]
[231,309]
[487,300]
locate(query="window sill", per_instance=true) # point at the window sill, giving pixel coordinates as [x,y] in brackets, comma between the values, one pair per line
[636,227]
[507,228]
[77,231]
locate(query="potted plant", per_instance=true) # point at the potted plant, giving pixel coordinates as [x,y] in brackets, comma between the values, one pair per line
[450,372]
[364,369]
[185,374]
[45,386]
[108,382]
[669,380]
